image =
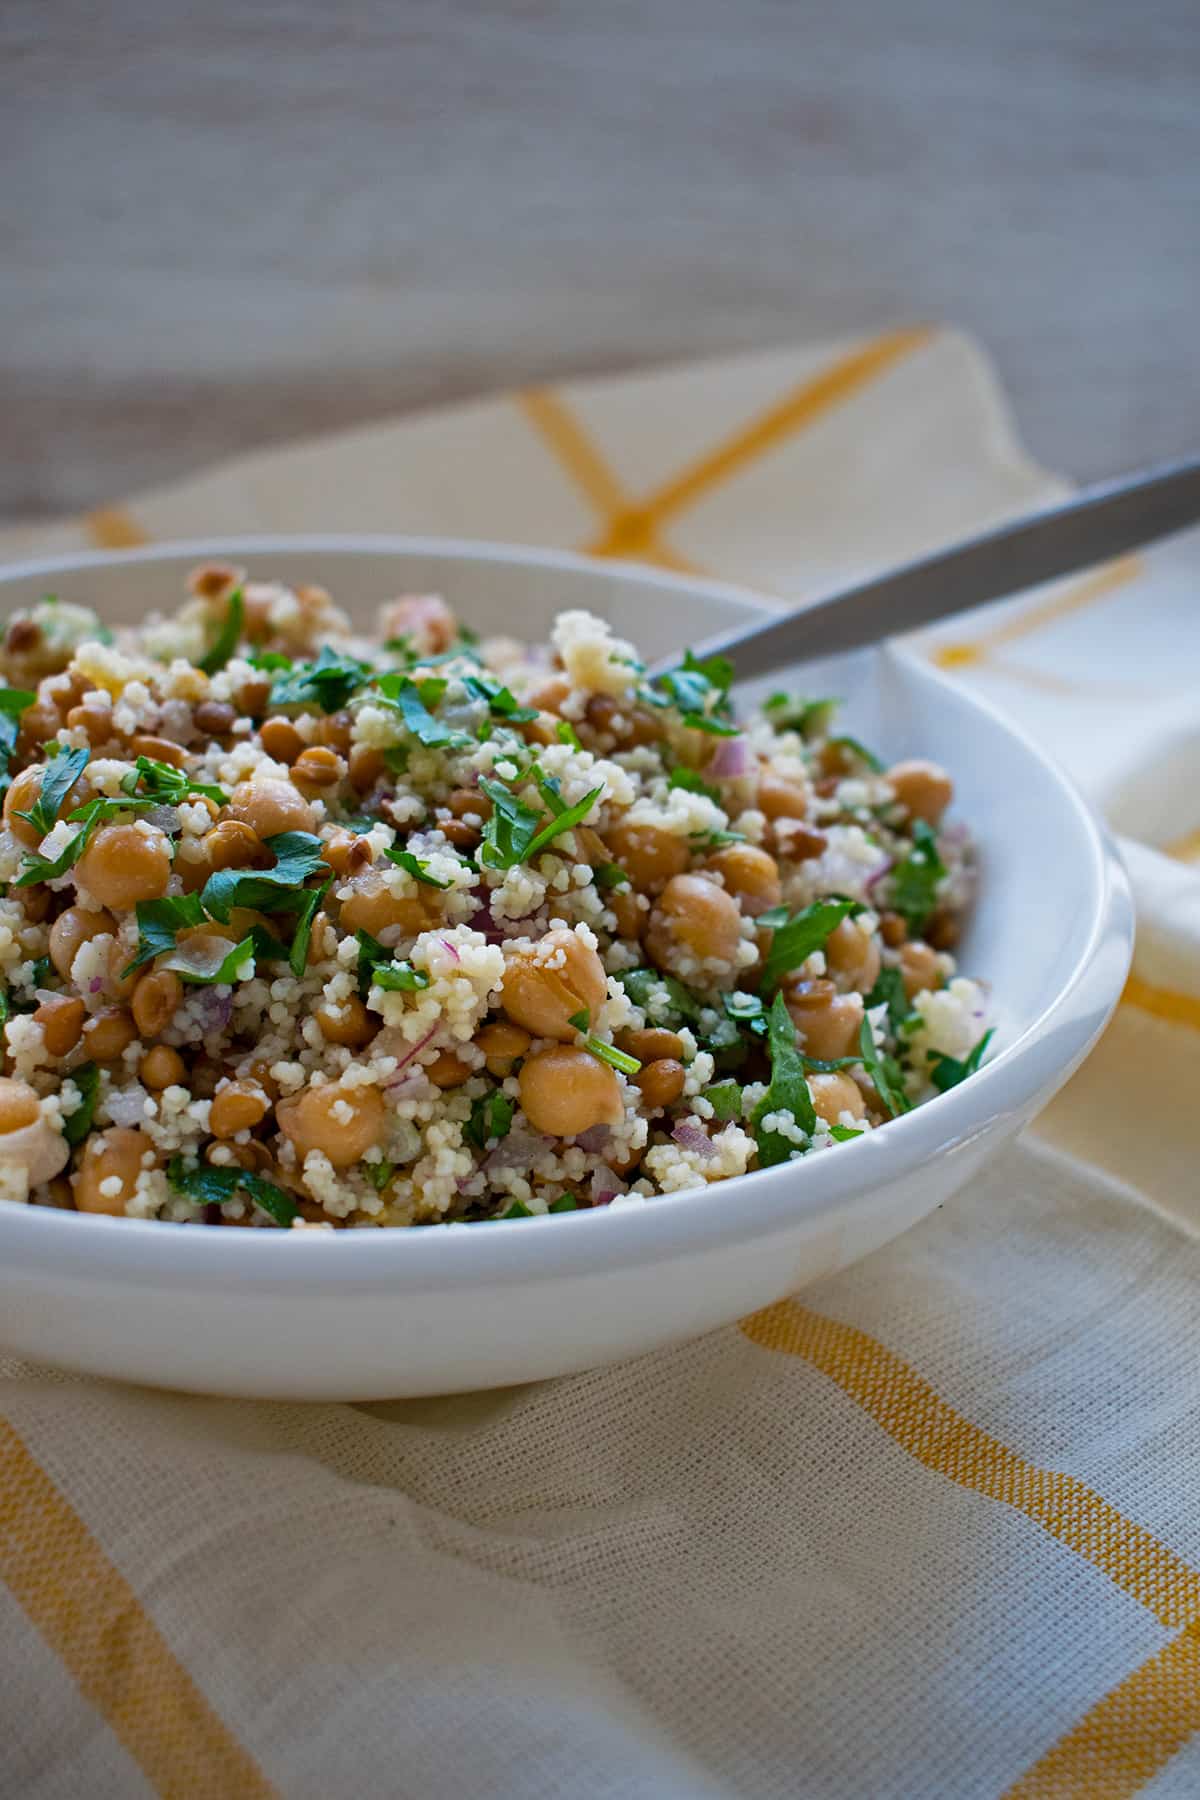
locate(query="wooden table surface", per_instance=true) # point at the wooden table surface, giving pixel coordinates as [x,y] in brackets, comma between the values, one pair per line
[225,225]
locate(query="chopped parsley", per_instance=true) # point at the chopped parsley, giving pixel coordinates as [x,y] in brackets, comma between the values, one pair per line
[58,779]
[226,640]
[647,988]
[564,1203]
[796,937]
[328,682]
[306,912]
[859,750]
[787,712]
[788,1091]
[39,868]
[518,1210]
[725,1098]
[566,733]
[490,1118]
[413,704]
[692,783]
[515,833]
[609,875]
[416,867]
[298,854]
[947,1071]
[159,923]
[87,1079]
[914,882]
[746,1009]
[208,1186]
[398,977]
[885,1072]
[700,692]
[889,991]
[616,1059]
[501,701]
[13,702]
[379,1173]
[580,1020]
[162,784]
[842,1134]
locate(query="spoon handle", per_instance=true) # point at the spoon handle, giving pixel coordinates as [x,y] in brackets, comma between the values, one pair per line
[1091,527]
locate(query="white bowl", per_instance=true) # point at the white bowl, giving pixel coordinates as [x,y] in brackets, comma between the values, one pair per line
[366,1314]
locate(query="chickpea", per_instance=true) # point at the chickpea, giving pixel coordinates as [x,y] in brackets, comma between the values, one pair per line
[549,695]
[110,1155]
[651,1043]
[126,863]
[343,1123]
[447,1070]
[345,853]
[61,1020]
[162,1067]
[919,968]
[214,580]
[155,1000]
[108,1034]
[366,765]
[237,1106]
[281,740]
[26,1137]
[893,930]
[661,1082]
[260,1072]
[161,750]
[835,1094]
[96,722]
[923,789]
[461,835]
[852,956]
[270,807]
[34,902]
[372,907]
[649,855]
[215,718]
[627,910]
[71,931]
[19,1105]
[334,730]
[827,1023]
[781,796]
[693,920]
[546,987]
[348,1022]
[23,796]
[424,618]
[502,1045]
[565,1091]
[318,767]
[233,845]
[469,803]
[795,841]
[542,730]
[942,931]
[253,696]
[750,875]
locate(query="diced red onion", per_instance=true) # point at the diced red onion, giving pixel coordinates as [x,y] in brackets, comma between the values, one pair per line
[878,874]
[731,760]
[95,985]
[692,1136]
[450,949]
[415,1050]
[594,1140]
[606,1185]
[519,1150]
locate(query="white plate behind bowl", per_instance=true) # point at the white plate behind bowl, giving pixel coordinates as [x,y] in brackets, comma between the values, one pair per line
[365,1314]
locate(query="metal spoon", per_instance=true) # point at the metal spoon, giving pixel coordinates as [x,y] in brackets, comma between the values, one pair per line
[1091,527]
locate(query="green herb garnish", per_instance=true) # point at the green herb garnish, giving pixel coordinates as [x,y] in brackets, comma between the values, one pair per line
[159,924]
[413,703]
[162,784]
[885,1073]
[645,988]
[564,1203]
[490,1118]
[515,833]
[36,867]
[416,867]
[843,1133]
[306,913]
[518,1210]
[328,682]
[889,991]
[379,1173]
[852,744]
[87,1079]
[692,783]
[209,1186]
[947,1071]
[226,641]
[398,977]
[914,882]
[810,718]
[746,1009]
[788,1091]
[501,701]
[566,733]
[796,937]
[298,854]
[608,875]
[616,1059]
[725,1098]
[58,779]
[13,702]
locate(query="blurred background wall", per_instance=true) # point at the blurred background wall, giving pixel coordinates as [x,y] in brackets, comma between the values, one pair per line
[224,224]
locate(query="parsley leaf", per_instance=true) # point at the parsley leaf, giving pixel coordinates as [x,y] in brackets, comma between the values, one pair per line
[306,912]
[885,1073]
[404,859]
[566,733]
[859,750]
[564,821]
[788,1091]
[947,1071]
[725,1098]
[328,682]
[914,882]
[510,831]
[500,699]
[87,1079]
[379,1173]
[38,868]
[398,977]
[518,1210]
[661,997]
[159,922]
[257,946]
[491,1116]
[163,784]
[889,991]
[693,784]
[209,1186]
[59,778]
[796,938]
[298,854]
[843,1133]
[747,1009]
[412,703]
[564,1203]
[810,718]
[13,702]
[700,691]
[226,641]
[609,875]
